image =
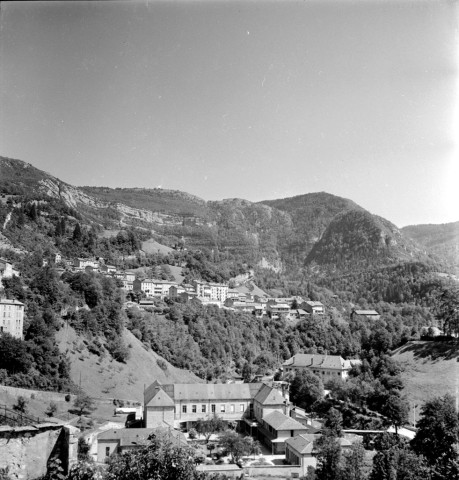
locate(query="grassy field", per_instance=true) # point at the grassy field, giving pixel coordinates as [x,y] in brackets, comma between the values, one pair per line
[103,377]
[431,369]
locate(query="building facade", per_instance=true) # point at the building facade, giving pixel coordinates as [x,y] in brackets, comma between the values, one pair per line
[11,317]
[324,366]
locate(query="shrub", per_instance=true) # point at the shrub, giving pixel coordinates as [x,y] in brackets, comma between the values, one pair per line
[161,364]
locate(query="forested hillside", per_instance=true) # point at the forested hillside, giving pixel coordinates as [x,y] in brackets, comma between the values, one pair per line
[327,249]
[442,240]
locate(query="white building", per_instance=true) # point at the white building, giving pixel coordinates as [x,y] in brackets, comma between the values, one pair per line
[213,291]
[11,317]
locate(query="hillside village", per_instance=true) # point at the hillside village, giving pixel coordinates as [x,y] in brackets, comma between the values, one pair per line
[254,364]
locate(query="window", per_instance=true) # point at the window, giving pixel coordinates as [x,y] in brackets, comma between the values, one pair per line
[213,408]
[107,451]
[241,407]
[232,408]
[203,409]
[292,433]
[194,408]
[222,408]
[183,408]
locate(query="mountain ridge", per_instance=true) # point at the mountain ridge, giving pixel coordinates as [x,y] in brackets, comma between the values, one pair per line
[292,231]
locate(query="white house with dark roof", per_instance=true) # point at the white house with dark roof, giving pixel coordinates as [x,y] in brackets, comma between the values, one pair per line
[121,440]
[300,450]
[324,366]
[313,308]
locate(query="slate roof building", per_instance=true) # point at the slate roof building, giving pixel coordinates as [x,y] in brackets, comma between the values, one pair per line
[121,440]
[182,404]
[325,366]
[258,409]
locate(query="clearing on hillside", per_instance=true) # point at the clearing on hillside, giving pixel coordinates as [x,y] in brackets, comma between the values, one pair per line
[431,369]
[102,376]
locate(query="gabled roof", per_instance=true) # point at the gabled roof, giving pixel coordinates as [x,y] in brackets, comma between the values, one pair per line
[280,421]
[269,396]
[314,304]
[303,443]
[10,302]
[137,436]
[160,399]
[316,360]
[203,391]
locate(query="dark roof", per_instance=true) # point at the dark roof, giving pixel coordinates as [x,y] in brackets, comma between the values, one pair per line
[137,436]
[280,421]
[203,391]
[269,396]
[316,360]
[303,443]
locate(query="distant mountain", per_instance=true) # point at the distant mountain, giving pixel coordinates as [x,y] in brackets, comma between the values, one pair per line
[442,240]
[357,239]
[315,228]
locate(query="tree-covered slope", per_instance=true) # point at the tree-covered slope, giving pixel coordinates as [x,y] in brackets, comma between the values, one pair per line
[442,240]
[356,239]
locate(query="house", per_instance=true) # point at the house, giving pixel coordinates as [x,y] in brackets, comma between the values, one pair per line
[273,424]
[107,268]
[232,293]
[121,440]
[313,308]
[6,269]
[369,314]
[209,301]
[300,451]
[11,317]
[175,291]
[277,310]
[82,263]
[298,314]
[325,366]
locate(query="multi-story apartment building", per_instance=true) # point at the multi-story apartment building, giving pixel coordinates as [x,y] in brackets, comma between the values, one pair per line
[11,317]
[152,287]
[213,291]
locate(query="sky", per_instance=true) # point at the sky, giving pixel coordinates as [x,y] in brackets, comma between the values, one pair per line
[253,99]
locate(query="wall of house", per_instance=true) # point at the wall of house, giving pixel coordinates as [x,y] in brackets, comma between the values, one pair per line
[27,450]
[261,410]
[102,446]
[155,416]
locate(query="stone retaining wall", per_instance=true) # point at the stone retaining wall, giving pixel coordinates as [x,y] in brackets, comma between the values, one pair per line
[27,450]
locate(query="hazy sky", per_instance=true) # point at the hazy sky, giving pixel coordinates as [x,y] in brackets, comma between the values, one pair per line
[251,99]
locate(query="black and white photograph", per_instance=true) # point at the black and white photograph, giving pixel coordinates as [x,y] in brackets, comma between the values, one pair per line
[229,240]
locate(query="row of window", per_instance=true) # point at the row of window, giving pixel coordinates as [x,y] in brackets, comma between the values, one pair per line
[213,408]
